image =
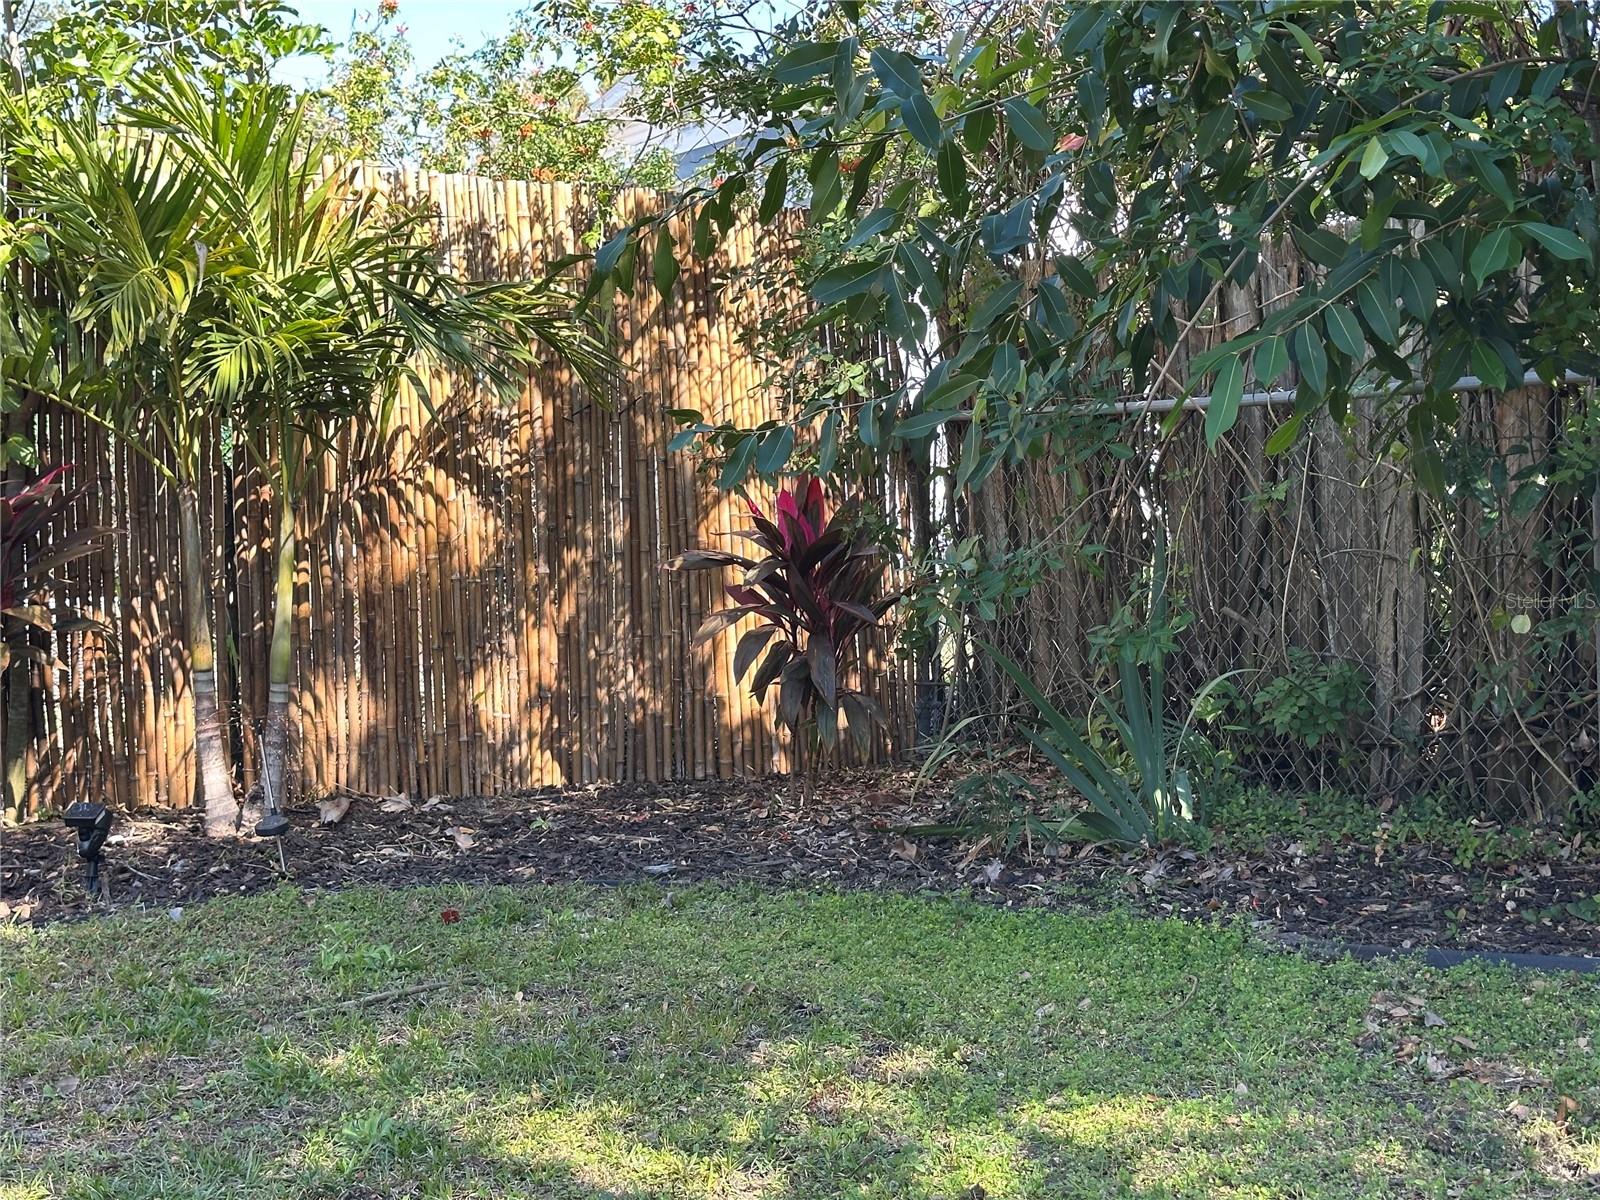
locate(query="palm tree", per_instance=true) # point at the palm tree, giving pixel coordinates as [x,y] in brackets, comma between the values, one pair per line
[334,303]
[129,259]
[238,279]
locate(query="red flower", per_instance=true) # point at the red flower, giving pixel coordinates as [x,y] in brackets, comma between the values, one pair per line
[847,165]
[388,7]
[450,916]
[1072,141]
[525,130]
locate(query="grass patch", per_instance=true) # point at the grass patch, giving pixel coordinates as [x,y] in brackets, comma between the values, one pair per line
[1252,819]
[734,1043]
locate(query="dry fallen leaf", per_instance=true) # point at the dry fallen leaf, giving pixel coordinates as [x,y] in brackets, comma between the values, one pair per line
[1437,1068]
[331,810]
[463,837]
[1566,1107]
[395,804]
[1432,1019]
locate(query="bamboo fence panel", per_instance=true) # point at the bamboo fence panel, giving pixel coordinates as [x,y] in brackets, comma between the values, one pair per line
[479,603]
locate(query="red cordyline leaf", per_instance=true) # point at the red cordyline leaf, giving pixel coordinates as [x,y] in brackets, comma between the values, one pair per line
[816,590]
[23,513]
[801,518]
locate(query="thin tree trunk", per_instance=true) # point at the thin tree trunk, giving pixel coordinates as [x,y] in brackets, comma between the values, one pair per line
[280,661]
[211,763]
[15,736]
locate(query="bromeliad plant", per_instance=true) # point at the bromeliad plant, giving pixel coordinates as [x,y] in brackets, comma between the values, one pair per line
[816,589]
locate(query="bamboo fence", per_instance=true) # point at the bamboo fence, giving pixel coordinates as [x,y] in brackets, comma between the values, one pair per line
[480,603]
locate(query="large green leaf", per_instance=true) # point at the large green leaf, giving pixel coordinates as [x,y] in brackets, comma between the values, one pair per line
[898,72]
[952,169]
[922,121]
[1223,410]
[664,262]
[1497,252]
[776,192]
[1028,125]
[805,61]
[1563,243]
[850,279]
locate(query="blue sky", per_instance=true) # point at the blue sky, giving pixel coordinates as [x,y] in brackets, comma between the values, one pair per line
[431,24]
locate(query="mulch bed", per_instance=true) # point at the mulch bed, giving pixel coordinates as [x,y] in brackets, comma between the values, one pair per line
[850,835]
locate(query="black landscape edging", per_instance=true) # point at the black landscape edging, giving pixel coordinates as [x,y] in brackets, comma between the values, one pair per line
[1435,956]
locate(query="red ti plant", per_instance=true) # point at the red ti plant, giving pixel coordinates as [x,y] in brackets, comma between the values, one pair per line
[816,588]
[27,510]
[27,615]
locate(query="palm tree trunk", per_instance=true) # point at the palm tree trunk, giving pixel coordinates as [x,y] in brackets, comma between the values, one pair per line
[215,787]
[275,737]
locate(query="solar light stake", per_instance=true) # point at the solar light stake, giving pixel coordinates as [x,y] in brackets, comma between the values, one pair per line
[92,822]
[273,823]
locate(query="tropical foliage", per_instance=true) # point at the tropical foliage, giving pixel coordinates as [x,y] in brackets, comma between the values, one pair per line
[236,282]
[37,539]
[816,591]
[1039,206]
[573,90]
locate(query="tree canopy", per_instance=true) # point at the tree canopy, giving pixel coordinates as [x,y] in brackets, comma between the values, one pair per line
[1039,205]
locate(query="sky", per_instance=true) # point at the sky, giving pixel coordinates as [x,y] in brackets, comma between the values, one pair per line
[431,25]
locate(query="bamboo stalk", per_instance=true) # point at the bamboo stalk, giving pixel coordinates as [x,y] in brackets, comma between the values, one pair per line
[547,523]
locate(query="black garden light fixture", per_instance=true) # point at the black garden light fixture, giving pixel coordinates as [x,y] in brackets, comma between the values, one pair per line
[92,822]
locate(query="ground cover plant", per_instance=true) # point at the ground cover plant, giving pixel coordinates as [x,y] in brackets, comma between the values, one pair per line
[565,1041]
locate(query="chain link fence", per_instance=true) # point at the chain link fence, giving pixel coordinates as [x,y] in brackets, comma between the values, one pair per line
[1341,630]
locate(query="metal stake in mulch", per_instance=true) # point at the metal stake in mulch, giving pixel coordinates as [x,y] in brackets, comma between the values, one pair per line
[273,823]
[92,823]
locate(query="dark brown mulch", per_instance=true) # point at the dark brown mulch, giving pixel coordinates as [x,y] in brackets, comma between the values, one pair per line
[849,836]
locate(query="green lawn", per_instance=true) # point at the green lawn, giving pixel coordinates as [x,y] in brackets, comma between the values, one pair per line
[723,1043]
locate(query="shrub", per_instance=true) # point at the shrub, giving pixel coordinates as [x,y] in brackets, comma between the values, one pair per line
[816,589]
[1314,699]
[28,510]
